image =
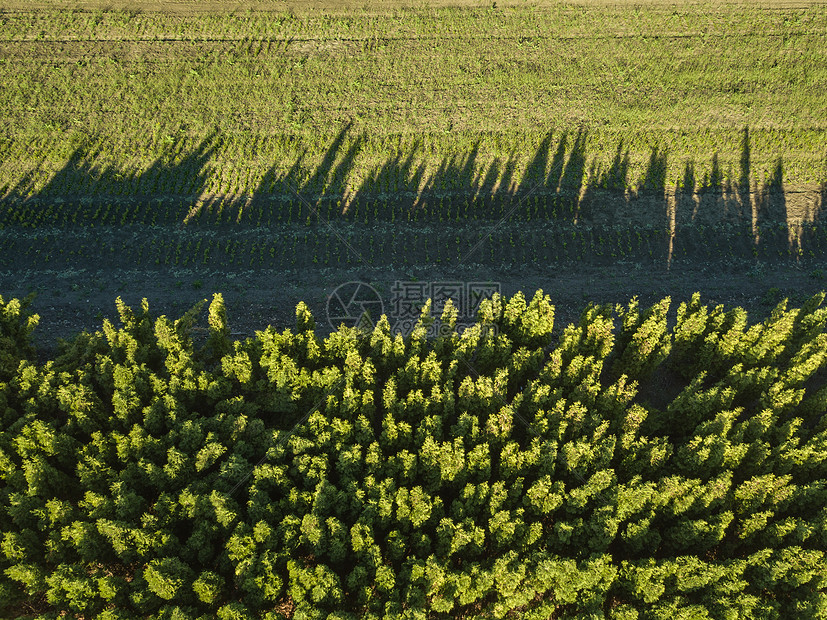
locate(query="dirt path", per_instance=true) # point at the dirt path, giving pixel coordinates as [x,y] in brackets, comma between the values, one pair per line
[68,302]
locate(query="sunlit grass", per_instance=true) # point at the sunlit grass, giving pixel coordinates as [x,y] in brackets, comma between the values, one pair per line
[428,82]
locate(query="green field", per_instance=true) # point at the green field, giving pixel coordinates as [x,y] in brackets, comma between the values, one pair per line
[319,138]
[117,104]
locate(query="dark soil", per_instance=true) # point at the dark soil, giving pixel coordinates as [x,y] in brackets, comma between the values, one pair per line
[748,250]
[68,302]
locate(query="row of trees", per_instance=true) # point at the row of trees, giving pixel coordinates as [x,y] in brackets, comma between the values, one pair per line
[617,469]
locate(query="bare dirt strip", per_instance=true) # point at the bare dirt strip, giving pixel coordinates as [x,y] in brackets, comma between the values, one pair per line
[79,292]
[71,301]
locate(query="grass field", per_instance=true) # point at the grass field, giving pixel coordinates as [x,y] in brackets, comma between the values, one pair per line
[426,83]
[305,137]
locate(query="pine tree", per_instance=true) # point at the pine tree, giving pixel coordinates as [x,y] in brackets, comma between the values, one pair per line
[218,341]
[16,327]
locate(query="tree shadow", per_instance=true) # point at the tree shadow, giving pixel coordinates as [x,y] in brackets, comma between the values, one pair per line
[742,188]
[575,211]
[85,193]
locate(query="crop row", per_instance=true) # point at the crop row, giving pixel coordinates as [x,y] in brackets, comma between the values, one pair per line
[591,207]
[318,246]
[477,163]
[282,210]
[559,20]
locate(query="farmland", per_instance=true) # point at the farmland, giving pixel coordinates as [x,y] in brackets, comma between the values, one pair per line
[596,450]
[325,144]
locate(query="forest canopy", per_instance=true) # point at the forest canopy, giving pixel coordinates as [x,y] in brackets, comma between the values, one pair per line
[617,468]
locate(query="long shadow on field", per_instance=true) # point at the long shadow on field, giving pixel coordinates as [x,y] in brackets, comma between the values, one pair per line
[85,192]
[292,197]
[559,206]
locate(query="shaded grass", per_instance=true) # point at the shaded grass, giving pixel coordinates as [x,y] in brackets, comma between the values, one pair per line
[563,210]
